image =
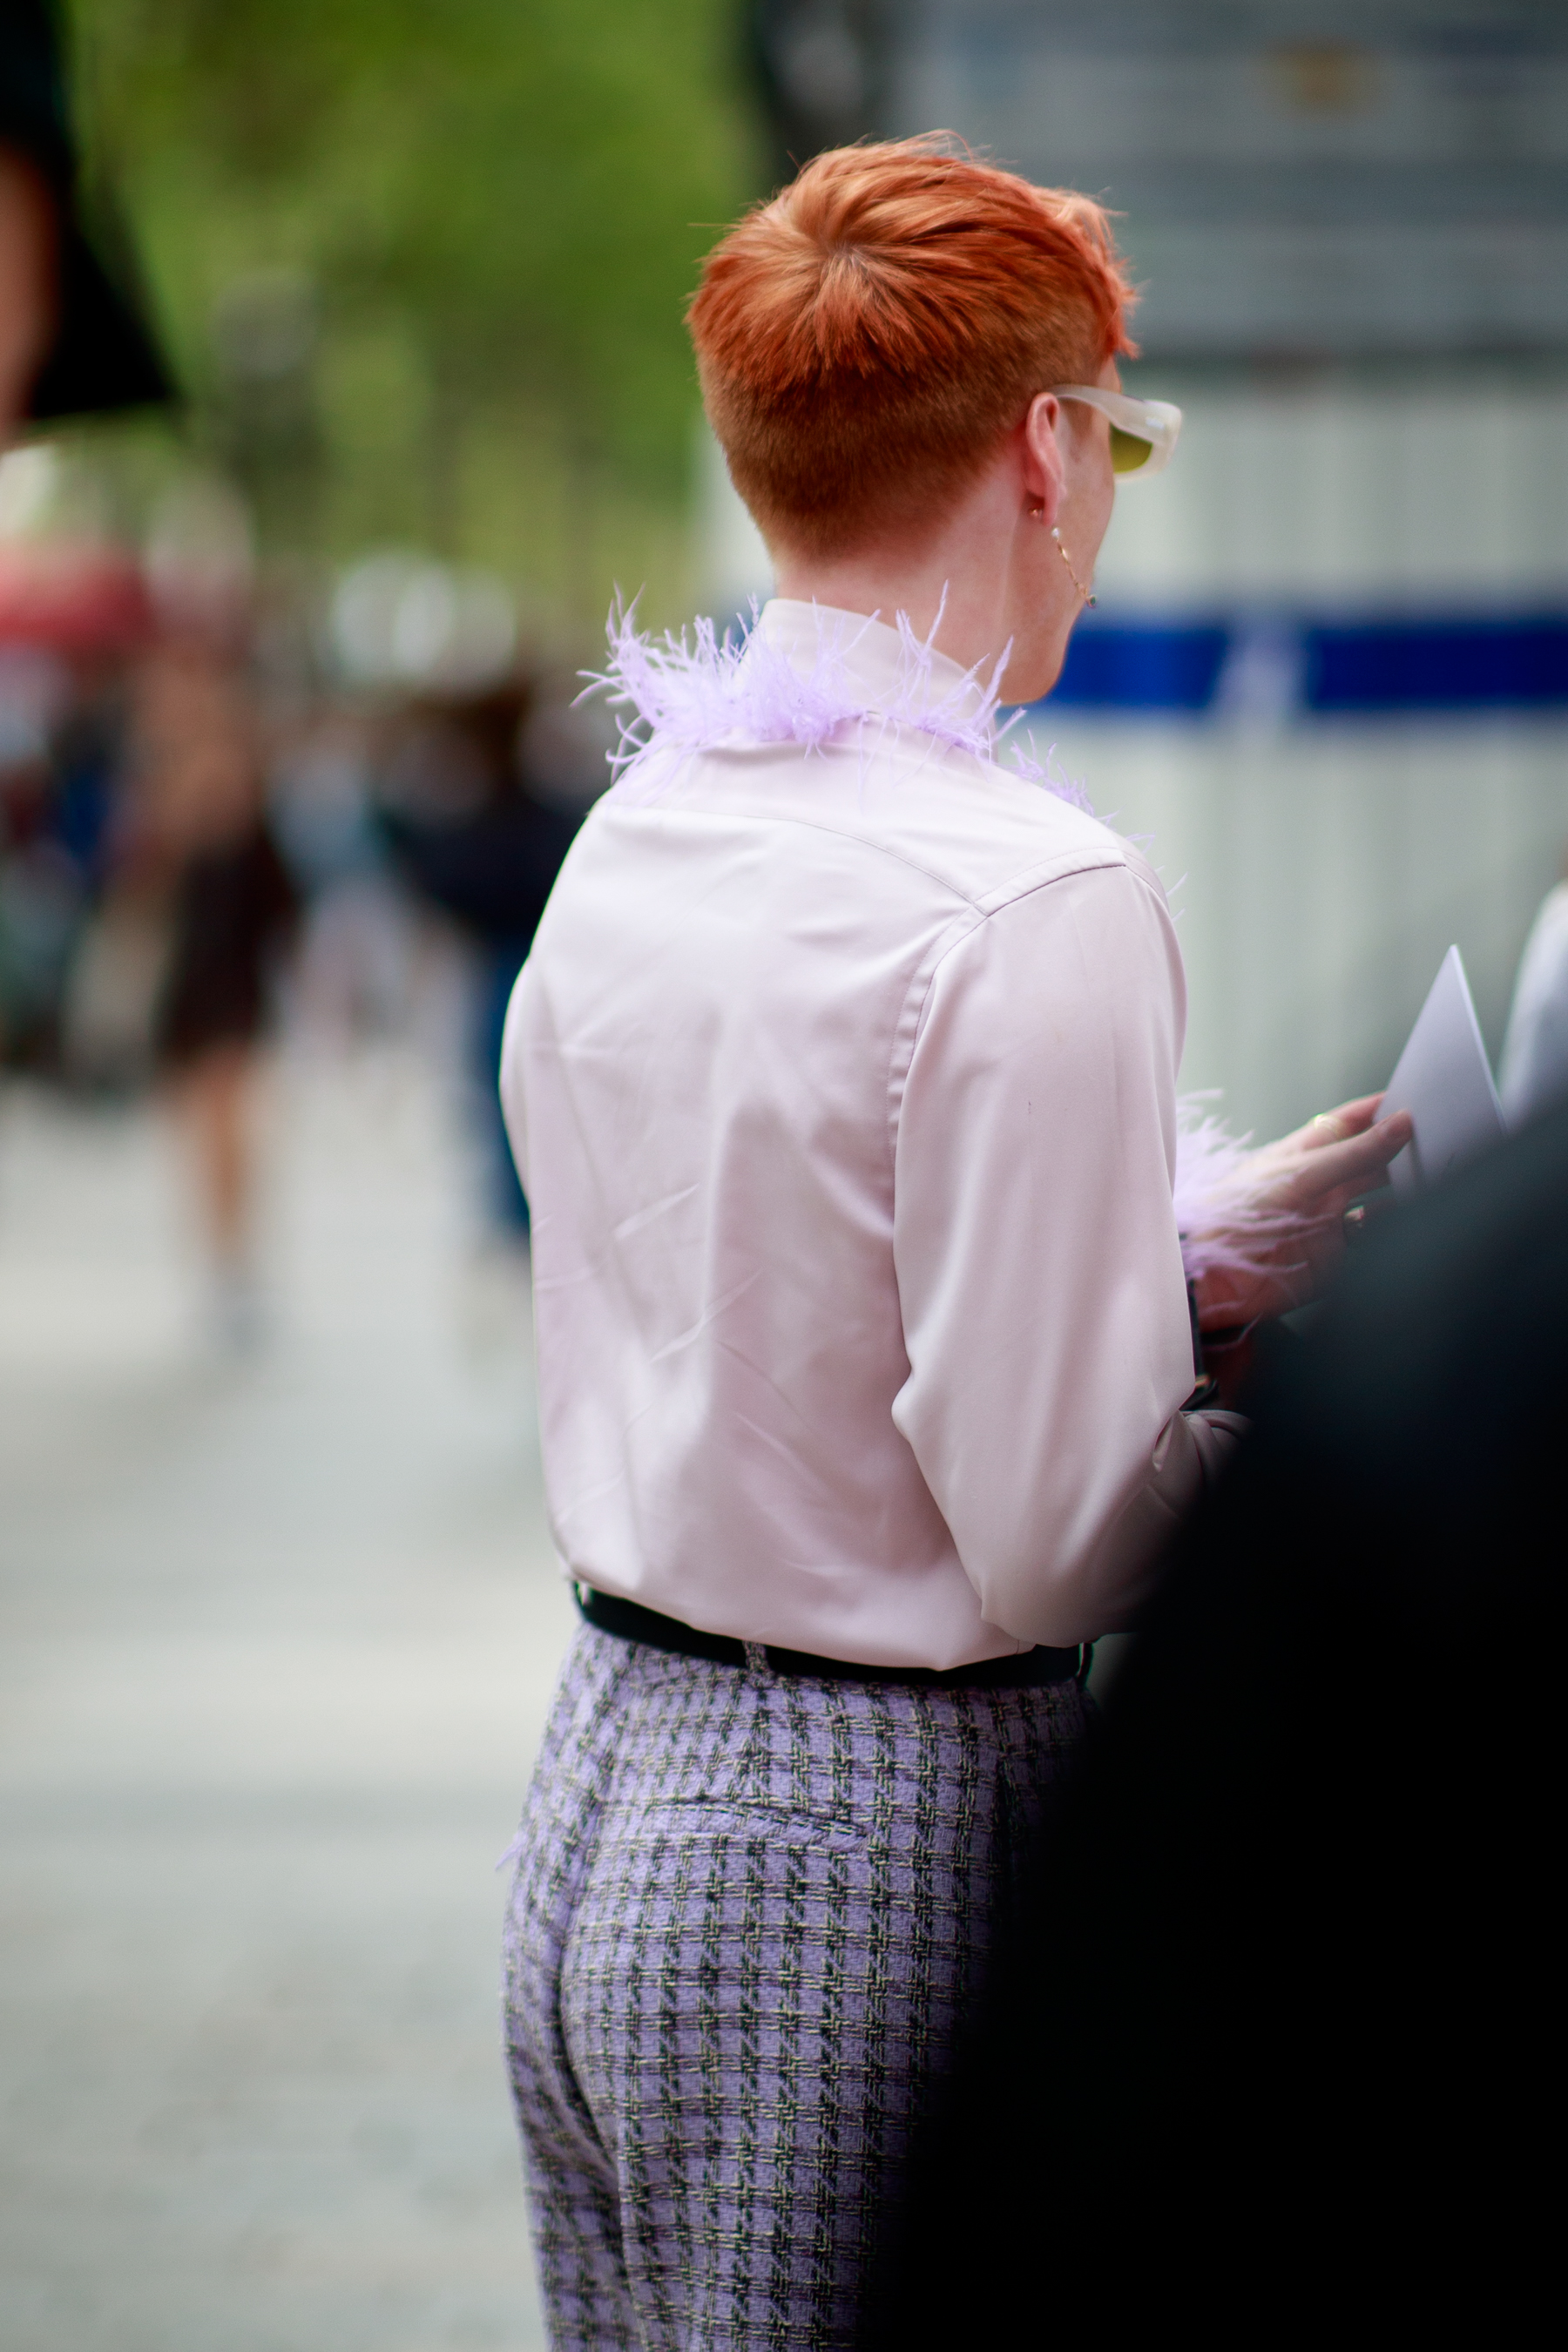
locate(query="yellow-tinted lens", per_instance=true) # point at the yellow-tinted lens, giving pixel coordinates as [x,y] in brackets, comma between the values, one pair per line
[1127,452]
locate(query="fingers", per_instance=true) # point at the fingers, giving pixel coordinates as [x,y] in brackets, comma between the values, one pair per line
[1355,1117]
[1335,1126]
[1325,1128]
[1355,1165]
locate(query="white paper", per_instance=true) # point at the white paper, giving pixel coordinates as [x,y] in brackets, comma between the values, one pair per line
[1444,1080]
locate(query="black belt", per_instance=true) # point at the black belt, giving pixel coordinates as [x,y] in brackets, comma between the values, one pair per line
[1026,1670]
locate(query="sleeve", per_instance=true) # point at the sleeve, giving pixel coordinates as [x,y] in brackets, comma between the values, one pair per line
[513,1046]
[1039,1264]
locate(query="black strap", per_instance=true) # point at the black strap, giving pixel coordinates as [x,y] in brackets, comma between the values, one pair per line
[1028,1669]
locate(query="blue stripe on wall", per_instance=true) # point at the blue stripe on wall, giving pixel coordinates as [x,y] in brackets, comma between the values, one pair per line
[1313,665]
[1142,667]
[1441,666]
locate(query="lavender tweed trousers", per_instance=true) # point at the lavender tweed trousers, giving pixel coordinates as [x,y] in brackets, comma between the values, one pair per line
[750,1911]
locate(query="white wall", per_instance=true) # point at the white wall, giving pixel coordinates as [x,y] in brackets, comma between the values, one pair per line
[1324,865]
[1320,874]
[1447,490]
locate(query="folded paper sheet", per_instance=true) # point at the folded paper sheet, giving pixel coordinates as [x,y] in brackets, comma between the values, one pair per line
[1444,1080]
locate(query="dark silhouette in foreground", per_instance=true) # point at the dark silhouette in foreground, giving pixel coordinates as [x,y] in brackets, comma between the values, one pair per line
[1268,2043]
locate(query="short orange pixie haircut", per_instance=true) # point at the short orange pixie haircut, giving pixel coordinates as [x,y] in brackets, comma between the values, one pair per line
[867,340]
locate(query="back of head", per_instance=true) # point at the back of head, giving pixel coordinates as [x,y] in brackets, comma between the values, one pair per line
[868,338]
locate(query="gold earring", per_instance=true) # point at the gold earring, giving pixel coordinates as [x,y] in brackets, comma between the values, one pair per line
[1087,593]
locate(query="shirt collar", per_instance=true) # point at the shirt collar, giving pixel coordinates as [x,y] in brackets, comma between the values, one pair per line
[890,667]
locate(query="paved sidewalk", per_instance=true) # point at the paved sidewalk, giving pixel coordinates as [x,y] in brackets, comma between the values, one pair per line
[276,1637]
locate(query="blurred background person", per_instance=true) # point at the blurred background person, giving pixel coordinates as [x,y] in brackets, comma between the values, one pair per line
[351,976]
[478,842]
[72,342]
[232,907]
[41,884]
[71,624]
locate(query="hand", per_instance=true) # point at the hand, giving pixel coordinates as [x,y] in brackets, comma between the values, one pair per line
[1287,1225]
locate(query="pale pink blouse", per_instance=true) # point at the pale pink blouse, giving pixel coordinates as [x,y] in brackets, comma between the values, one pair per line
[842,1085]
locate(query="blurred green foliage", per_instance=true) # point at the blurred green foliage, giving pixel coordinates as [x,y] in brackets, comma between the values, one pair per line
[487,216]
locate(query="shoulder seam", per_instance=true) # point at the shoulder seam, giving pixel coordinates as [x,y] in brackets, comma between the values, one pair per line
[957,934]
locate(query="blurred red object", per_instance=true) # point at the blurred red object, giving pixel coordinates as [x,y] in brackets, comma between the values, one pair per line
[73,600]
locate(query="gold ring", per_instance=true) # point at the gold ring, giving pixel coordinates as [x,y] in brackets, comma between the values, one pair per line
[1327,1119]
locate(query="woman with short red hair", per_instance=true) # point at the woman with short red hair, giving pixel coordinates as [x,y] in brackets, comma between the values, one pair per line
[842,1083]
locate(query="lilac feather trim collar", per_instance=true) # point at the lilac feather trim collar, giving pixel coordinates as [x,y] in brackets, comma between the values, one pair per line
[812,686]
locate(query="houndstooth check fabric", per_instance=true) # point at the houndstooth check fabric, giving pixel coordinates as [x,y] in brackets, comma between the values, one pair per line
[749,1912]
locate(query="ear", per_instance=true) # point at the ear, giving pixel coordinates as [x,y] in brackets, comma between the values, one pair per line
[1045,475]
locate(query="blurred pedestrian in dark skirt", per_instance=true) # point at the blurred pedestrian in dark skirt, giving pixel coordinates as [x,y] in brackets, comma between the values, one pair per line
[232,911]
